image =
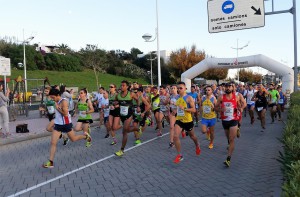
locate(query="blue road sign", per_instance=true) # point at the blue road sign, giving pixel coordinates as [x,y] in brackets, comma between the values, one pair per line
[228,7]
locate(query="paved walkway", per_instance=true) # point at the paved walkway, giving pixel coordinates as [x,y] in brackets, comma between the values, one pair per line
[146,170]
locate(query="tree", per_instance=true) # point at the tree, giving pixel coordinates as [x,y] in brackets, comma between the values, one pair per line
[134,52]
[64,48]
[182,59]
[257,78]
[96,59]
[215,74]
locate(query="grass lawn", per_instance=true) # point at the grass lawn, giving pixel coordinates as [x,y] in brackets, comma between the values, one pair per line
[82,79]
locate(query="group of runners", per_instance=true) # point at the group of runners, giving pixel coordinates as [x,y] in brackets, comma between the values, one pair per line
[132,108]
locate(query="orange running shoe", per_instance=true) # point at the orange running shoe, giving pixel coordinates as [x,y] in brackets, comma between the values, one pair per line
[198,150]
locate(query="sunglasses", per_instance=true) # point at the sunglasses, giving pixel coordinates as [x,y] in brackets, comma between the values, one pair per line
[111,87]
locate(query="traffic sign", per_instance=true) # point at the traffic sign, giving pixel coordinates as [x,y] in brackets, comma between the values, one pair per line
[5,66]
[230,15]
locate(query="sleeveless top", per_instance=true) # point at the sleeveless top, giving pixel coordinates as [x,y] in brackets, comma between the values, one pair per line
[125,104]
[59,118]
[173,100]
[182,115]
[50,104]
[195,97]
[207,105]
[155,102]
[281,98]
[230,106]
[83,107]
[262,100]
[163,98]
[249,95]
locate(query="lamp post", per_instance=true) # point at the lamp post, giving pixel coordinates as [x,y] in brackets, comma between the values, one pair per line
[147,38]
[24,60]
[237,55]
[151,67]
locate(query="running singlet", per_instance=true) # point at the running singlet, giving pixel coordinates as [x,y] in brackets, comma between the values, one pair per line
[125,104]
[59,118]
[261,102]
[195,97]
[281,98]
[105,102]
[182,115]
[83,108]
[112,100]
[208,105]
[230,106]
[138,104]
[173,100]
[273,94]
[249,95]
[155,102]
[162,98]
[50,104]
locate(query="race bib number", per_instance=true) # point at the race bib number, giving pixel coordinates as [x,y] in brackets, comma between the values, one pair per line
[260,108]
[163,108]
[106,112]
[82,114]
[180,112]
[274,100]
[136,113]
[155,105]
[124,110]
[206,109]
[228,111]
[50,109]
[280,101]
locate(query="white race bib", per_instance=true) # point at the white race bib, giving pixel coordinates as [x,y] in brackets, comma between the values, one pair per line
[51,109]
[206,109]
[260,108]
[106,112]
[280,101]
[155,105]
[82,114]
[124,110]
[228,111]
[180,112]
[163,108]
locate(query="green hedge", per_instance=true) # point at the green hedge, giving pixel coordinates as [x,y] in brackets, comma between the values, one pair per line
[291,143]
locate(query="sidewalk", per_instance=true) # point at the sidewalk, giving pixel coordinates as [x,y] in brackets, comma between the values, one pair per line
[36,127]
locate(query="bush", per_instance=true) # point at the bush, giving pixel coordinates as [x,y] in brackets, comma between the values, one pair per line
[291,143]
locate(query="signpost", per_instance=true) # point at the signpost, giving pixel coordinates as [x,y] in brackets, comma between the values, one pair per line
[5,69]
[230,15]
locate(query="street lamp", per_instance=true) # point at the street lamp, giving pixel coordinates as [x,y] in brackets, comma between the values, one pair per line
[24,60]
[151,67]
[147,38]
[237,56]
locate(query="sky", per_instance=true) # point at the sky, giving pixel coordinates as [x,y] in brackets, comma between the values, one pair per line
[120,24]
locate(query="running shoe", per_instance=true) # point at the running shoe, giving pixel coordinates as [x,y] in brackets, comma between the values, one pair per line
[48,164]
[238,133]
[113,143]
[66,141]
[198,150]
[88,140]
[137,142]
[171,145]
[183,134]
[178,159]
[159,134]
[227,163]
[211,146]
[119,153]
[106,136]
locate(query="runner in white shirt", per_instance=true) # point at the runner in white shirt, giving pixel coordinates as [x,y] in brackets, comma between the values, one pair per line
[104,103]
[250,104]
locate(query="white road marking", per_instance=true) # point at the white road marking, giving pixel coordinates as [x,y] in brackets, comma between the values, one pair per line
[78,169]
